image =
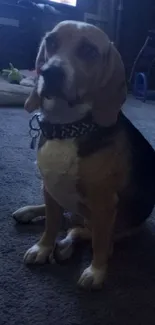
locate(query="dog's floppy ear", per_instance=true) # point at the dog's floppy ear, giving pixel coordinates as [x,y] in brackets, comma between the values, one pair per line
[41,56]
[111,94]
[33,101]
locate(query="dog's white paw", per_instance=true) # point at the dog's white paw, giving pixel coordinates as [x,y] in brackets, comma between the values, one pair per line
[24,215]
[64,250]
[37,254]
[92,278]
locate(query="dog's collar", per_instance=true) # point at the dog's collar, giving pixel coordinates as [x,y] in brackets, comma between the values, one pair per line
[40,125]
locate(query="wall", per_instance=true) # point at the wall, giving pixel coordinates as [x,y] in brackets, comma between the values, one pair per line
[100,9]
[137,19]
[138,16]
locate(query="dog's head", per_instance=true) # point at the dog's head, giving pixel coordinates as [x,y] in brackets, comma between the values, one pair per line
[78,65]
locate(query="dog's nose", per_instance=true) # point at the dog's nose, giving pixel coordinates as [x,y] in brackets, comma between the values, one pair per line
[53,77]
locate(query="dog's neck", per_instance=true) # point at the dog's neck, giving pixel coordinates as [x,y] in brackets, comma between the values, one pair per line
[59,111]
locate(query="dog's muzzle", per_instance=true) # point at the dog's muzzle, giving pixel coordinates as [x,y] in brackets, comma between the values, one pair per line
[54,78]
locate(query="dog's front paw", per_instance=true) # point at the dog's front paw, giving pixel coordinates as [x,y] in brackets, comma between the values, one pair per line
[38,254]
[24,215]
[92,278]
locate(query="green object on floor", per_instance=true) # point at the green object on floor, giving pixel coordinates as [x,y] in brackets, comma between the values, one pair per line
[13,74]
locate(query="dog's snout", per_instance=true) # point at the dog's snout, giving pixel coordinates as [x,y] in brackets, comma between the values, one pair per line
[53,77]
[53,74]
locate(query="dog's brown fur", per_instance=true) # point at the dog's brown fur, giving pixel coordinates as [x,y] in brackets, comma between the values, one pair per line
[105,181]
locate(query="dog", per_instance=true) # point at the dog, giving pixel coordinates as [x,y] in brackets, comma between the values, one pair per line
[93,161]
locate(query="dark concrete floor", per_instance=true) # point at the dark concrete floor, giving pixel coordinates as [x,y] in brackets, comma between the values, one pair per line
[142,116]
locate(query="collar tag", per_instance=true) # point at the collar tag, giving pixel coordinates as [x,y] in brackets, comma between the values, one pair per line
[34,131]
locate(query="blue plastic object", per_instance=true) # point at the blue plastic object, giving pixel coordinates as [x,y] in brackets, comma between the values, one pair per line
[140,86]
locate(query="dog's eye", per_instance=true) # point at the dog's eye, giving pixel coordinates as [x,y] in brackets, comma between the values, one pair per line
[87,51]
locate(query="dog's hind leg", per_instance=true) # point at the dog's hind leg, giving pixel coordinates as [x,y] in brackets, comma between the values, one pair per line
[28,213]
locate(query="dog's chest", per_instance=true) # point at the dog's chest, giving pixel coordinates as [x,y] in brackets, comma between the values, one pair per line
[59,163]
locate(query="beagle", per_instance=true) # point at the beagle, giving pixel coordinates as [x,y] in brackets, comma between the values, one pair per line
[93,161]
